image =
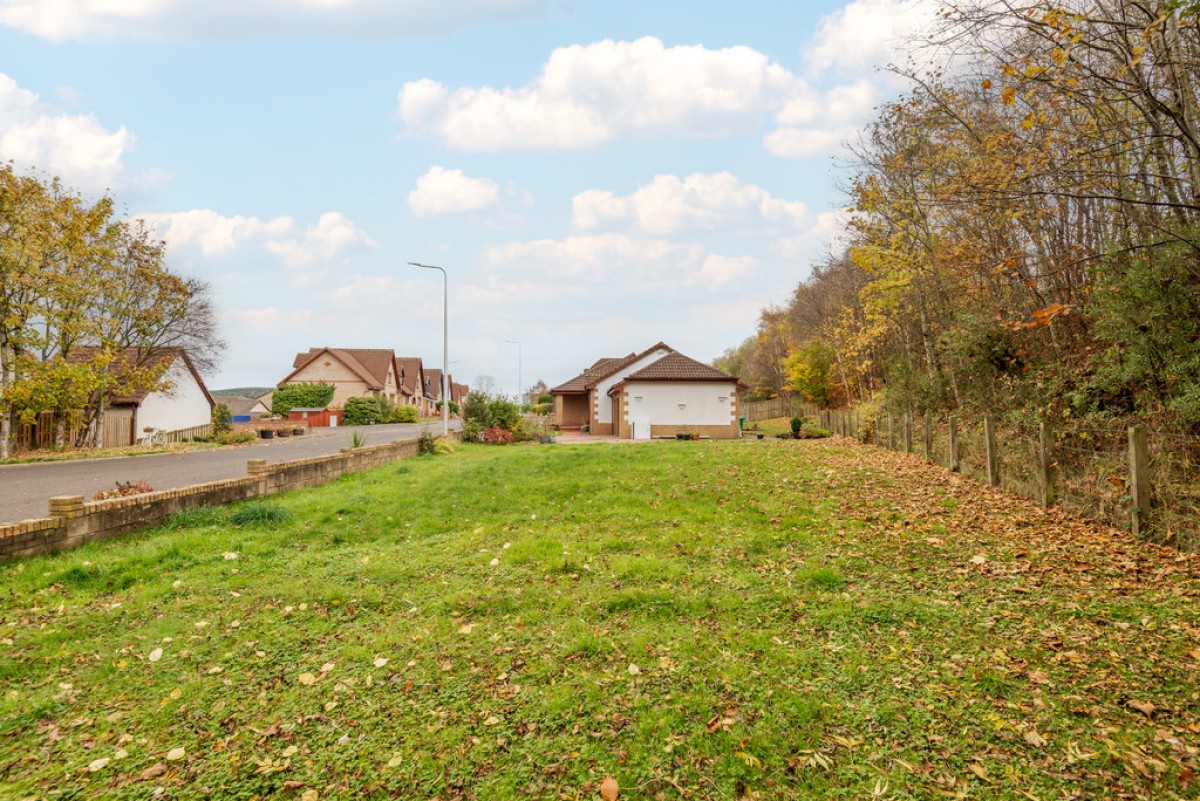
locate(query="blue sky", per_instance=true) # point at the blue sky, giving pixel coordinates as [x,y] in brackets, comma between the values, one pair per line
[594,176]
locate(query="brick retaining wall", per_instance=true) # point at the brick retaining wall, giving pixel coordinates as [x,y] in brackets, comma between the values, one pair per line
[73,521]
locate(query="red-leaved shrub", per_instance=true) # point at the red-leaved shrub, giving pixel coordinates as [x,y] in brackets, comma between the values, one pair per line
[123,489]
[497,436]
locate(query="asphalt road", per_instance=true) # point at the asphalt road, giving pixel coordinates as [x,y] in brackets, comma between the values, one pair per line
[25,489]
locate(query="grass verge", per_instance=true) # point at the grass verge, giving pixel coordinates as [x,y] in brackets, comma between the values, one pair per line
[759,619]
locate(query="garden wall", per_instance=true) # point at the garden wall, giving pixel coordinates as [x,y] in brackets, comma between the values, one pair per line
[73,521]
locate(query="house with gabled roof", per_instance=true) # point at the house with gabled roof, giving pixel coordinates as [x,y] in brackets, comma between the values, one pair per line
[411,373]
[654,393]
[433,387]
[353,372]
[175,400]
[583,401]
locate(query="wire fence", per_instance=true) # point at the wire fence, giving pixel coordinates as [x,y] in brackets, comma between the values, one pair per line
[1126,477]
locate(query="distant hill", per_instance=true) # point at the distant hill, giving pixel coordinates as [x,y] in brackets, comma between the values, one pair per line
[243,392]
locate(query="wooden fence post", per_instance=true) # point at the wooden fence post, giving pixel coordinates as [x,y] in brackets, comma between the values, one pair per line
[891,432]
[908,431]
[929,436]
[954,463]
[993,464]
[1139,479]
[1046,466]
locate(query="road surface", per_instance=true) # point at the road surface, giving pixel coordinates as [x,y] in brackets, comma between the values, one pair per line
[26,488]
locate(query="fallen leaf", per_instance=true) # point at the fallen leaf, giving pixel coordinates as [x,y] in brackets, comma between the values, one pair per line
[156,655]
[1145,707]
[328,666]
[494,562]
[978,559]
[491,721]
[154,771]
[634,670]
[609,789]
[229,555]
[1035,739]
[97,764]
[381,661]
[306,679]
[466,628]
[309,795]
[176,754]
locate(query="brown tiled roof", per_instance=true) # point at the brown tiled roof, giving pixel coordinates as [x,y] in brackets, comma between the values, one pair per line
[602,369]
[433,383]
[677,367]
[410,368]
[594,374]
[238,405]
[369,364]
[138,358]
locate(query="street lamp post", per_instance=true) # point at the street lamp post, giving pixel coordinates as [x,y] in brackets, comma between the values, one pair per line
[445,342]
[519,390]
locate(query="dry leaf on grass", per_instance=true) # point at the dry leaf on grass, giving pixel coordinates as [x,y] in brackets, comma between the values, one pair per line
[609,789]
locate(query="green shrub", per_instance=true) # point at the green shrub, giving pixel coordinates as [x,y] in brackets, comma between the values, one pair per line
[796,423]
[307,395]
[405,414]
[222,419]
[257,513]
[360,411]
[196,517]
[426,443]
[811,430]
[240,438]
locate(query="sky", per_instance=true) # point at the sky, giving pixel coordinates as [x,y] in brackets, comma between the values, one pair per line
[594,176]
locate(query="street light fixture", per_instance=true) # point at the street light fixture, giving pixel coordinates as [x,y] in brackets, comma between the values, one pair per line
[519,390]
[445,342]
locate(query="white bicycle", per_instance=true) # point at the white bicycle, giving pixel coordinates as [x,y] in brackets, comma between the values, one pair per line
[154,437]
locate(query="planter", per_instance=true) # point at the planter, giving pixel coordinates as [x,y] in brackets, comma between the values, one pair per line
[760,436]
[266,433]
[283,432]
[682,436]
[299,431]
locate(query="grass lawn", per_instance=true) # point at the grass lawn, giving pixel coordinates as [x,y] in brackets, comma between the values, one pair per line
[754,619]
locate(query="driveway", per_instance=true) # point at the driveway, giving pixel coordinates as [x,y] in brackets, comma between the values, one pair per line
[26,488]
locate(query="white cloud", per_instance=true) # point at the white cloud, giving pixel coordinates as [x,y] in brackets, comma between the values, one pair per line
[599,258]
[186,20]
[718,270]
[590,94]
[669,205]
[441,191]
[866,34]
[825,236]
[634,267]
[806,143]
[73,147]
[331,239]
[270,319]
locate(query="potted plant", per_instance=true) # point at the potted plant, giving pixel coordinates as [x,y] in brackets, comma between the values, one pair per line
[266,433]
[298,430]
[284,432]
